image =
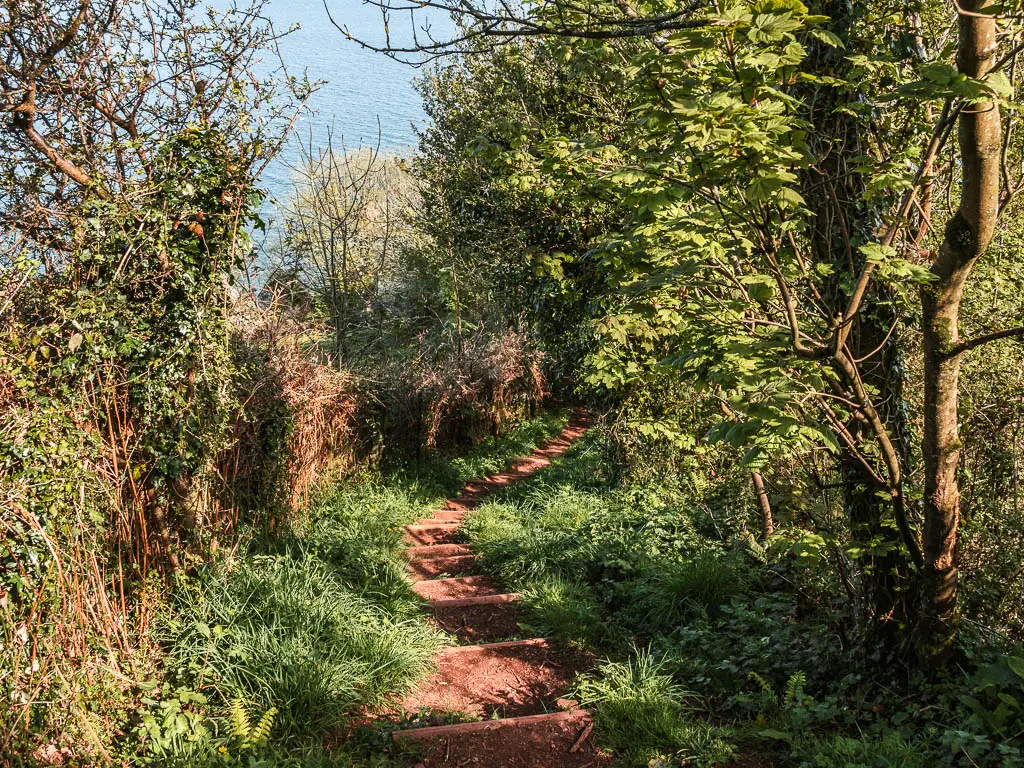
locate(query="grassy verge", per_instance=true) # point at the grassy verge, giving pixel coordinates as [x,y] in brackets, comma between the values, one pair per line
[275,652]
[717,649]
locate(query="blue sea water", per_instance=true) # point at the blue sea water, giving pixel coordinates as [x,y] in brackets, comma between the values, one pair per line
[365,98]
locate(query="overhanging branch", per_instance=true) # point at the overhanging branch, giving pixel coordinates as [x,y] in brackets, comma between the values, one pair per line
[977,341]
[504,21]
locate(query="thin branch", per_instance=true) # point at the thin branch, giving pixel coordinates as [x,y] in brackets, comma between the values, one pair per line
[977,341]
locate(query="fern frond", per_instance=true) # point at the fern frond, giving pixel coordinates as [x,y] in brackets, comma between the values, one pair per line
[769,700]
[756,549]
[238,718]
[795,687]
[763,684]
[261,732]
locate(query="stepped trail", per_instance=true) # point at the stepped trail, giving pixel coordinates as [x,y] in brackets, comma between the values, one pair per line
[514,684]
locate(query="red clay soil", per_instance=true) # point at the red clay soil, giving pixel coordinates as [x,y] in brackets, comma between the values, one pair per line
[424,551]
[431,533]
[502,679]
[563,743]
[752,761]
[439,567]
[448,589]
[480,623]
[507,680]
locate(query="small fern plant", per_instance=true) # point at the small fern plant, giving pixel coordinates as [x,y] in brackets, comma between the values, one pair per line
[793,696]
[246,733]
[768,702]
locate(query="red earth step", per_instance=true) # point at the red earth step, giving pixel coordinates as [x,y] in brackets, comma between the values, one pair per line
[521,677]
[437,550]
[434,532]
[551,740]
[451,589]
[431,567]
[479,623]
[460,504]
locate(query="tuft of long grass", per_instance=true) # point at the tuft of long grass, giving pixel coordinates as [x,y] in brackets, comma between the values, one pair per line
[275,631]
[675,591]
[643,714]
[357,529]
[836,751]
[518,545]
[564,609]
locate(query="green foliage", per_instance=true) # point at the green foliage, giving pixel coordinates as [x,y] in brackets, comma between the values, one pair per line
[675,591]
[889,751]
[299,632]
[564,609]
[646,717]
[993,710]
[290,632]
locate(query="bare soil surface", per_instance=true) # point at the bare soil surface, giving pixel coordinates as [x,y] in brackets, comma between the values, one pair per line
[449,589]
[446,514]
[422,552]
[440,567]
[480,623]
[504,680]
[557,744]
[436,532]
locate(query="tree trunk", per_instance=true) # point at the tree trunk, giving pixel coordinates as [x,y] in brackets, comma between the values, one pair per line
[844,219]
[767,522]
[967,235]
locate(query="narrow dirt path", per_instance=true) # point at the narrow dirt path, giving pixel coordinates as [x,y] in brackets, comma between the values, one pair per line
[515,684]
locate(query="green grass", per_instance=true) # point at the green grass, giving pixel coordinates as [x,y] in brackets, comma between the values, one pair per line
[644,715]
[436,475]
[275,648]
[837,751]
[288,633]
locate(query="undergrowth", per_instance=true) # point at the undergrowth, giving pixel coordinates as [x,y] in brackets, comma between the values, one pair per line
[274,651]
[742,652]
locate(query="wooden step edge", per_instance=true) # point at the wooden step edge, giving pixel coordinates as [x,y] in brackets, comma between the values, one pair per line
[461,579]
[433,525]
[450,559]
[465,602]
[462,505]
[434,551]
[460,729]
[431,520]
[533,642]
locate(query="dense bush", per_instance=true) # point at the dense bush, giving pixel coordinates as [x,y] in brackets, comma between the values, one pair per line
[456,392]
